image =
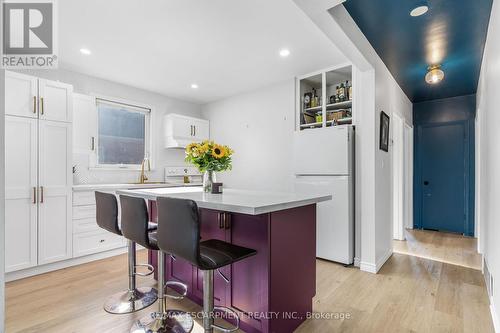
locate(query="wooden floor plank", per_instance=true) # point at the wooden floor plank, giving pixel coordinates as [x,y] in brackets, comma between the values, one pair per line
[410,294]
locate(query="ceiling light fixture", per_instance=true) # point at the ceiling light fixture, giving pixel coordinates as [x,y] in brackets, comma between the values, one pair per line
[434,74]
[420,9]
[284,53]
[85,51]
[194,86]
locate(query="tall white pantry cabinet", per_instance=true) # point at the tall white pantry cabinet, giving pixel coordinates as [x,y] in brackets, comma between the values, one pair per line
[38,171]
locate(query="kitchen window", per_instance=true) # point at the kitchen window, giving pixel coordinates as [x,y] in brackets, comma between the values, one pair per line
[122,134]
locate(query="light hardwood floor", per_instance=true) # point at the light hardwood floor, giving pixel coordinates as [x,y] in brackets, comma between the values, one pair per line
[410,294]
[440,246]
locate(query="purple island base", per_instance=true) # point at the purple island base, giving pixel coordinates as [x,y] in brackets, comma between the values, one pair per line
[273,290]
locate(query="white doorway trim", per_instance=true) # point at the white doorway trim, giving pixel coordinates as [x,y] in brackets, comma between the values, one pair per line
[408,176]
[398,177]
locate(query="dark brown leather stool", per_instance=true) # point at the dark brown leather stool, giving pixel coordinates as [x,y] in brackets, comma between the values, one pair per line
[134,227]
[133,299]
[179,234]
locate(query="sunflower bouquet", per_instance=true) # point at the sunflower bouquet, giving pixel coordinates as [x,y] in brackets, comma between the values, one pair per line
[209,157]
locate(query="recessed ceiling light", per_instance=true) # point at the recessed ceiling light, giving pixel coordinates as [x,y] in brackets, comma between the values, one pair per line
[434,74]
[420,10]
[194,86]
[284,53]
[85,51]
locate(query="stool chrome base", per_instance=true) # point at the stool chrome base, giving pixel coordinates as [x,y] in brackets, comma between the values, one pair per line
[131,300]
[172,321]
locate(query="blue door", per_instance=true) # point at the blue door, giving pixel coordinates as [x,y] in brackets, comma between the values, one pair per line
[443,176]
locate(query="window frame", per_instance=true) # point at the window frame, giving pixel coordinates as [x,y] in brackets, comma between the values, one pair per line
[148,133]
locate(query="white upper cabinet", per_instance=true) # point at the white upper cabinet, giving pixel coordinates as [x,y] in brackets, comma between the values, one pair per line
[55,102]
[325,98]
[55,232]
[21,95]
[85,123]
[182,130]
[201,129]
[21,142]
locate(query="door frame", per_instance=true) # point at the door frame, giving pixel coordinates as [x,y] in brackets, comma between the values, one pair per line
[398,178]
[408,176]
[469,151]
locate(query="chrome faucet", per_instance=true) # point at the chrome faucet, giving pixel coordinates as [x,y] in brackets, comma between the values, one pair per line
[142,177]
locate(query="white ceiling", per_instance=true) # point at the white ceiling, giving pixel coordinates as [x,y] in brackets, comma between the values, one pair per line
[225,46]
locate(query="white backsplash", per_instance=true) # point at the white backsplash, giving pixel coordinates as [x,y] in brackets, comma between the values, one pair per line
[84,175]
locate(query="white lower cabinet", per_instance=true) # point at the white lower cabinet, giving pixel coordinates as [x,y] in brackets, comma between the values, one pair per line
[88,237]
[21,204]
[38,192]
[85,243]
[55,183]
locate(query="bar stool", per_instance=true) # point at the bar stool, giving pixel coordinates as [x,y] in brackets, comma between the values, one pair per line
[134,223]
[133,299]
[179,234]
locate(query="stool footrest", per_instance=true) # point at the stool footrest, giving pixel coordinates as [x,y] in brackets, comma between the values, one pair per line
[172,283]
[232,313]
[149,267]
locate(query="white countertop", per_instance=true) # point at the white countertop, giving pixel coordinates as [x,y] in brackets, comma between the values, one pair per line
[233,200]
[93,187]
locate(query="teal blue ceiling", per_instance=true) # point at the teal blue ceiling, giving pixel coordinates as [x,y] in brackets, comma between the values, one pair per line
[452,33]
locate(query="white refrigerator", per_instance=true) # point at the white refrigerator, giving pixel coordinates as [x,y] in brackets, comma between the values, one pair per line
[324,163]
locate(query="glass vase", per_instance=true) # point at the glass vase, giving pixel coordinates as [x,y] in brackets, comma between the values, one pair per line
[208,180]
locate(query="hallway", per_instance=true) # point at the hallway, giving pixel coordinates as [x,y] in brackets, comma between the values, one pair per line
[440,246]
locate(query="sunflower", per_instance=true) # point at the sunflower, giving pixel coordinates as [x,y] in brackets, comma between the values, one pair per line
[191,147]
[218,151]
[203,148]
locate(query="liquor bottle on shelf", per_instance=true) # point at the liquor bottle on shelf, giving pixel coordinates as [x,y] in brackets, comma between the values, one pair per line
[342,93]
[314,100]
[350,92]
[347,97]
[337,94]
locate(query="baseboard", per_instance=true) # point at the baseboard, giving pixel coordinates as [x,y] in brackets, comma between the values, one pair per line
[374,268]
[384,259]
[494,317]
[11,276]
[368,267]
[357,262]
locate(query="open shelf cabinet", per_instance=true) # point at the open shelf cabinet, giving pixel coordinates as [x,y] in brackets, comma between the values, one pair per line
[325,98]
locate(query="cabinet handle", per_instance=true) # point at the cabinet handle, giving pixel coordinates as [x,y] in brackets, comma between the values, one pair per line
[219,218]
[194,127]
[173,257]
[192,132]
[227,221]
[34,195]
[92,143]
[34,104]
[41,194]
[41,105]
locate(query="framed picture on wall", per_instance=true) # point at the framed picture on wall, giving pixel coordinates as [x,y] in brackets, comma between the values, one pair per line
[384,131]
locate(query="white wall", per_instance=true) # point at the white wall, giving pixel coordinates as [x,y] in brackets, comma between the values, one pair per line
[259,126]
[390,98]
[2,199]
[380,93]
[488,165]
[161,105]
